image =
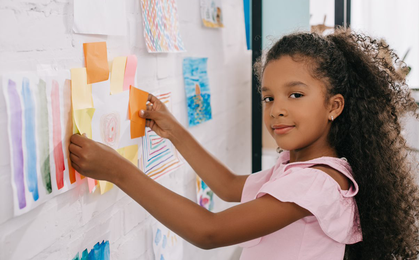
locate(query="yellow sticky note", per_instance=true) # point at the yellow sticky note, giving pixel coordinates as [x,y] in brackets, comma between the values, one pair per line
[83,120]
[117,75]
[105,186]
[81,92]
[130,153]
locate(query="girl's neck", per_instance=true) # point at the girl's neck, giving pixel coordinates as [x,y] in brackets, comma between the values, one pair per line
[309,153]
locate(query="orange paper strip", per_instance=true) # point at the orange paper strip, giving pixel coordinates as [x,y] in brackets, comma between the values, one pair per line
[137,102]
[96,60]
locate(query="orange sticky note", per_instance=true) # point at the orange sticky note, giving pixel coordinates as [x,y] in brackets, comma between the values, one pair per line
[96,60]
[137,102]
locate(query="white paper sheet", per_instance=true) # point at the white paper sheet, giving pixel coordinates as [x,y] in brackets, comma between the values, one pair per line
[110,124]
[106,17]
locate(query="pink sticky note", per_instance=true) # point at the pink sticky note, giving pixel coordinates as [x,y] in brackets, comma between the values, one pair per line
[130,69]
[92,184]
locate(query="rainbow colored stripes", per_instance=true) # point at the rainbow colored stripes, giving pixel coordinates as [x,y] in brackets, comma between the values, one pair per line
[35,121]
[159,157]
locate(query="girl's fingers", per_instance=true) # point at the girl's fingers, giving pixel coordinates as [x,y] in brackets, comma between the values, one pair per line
[74,149]
[147,122]
[152,98]
[74,158]
[77,140]
[75,166]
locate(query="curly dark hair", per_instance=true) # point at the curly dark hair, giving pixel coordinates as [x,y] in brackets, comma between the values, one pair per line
[368,133]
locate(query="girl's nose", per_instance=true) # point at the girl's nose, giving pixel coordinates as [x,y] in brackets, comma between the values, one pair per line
[278,112]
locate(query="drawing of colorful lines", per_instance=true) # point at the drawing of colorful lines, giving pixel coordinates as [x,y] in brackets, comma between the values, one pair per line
[159,156]
[161,26]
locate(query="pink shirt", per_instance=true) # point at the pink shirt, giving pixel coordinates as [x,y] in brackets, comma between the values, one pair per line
[321,236]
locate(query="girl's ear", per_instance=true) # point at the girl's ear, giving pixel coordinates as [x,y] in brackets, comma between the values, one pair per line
[336,104]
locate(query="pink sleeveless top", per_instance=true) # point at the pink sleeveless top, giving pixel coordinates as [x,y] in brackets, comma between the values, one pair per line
[321,236]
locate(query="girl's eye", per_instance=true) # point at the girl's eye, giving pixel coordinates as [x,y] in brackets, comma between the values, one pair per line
[296,95]
[267,99]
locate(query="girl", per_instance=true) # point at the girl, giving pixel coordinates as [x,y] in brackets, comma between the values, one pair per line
[334,105]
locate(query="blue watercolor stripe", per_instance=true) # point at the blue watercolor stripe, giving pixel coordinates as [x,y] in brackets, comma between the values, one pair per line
[29,114]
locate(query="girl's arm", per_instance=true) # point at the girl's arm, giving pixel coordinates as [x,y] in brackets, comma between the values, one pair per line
[218,177]
[192,222]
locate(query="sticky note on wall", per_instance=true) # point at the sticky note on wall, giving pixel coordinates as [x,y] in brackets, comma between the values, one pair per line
[105,186]
[130,69]
[96,61]
[130,153]
[117,74]
[137,102]
[81,92]
[83,120]
[92,184]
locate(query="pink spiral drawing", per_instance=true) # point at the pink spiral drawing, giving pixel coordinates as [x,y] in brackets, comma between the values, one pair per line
[110,128]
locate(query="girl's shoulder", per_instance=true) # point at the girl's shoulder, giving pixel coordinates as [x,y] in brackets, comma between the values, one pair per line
[337,170]
[312,188]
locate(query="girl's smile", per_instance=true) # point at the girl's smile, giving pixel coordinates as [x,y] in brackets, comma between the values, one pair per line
[281,129]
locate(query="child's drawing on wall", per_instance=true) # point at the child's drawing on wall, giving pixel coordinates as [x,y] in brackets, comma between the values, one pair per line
[166,244]
[109,129]
[197,90]
[205,195]
[211,13]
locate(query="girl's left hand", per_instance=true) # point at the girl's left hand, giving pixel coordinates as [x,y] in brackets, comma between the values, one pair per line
[93,159]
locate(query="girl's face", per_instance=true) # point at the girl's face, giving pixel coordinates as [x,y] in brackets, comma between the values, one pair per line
[295,110]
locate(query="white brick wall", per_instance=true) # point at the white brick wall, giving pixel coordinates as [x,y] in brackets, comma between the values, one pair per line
[36,32]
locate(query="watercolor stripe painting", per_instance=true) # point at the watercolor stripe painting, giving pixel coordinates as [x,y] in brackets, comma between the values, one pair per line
[39,124]
[158,156]
[161,26]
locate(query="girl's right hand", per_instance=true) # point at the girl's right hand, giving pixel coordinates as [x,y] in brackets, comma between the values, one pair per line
[158,118]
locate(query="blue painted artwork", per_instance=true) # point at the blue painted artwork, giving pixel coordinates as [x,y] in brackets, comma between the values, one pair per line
[100,251]
[197,90]
[166,244]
